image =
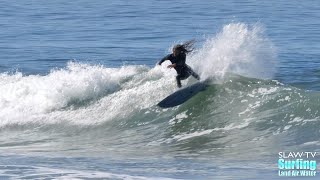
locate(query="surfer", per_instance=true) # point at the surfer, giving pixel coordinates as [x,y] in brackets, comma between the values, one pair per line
[178,60]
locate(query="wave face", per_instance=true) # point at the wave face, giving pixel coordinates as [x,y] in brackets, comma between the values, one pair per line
[120,103]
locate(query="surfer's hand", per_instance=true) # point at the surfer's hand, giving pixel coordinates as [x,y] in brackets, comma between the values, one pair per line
[171,66]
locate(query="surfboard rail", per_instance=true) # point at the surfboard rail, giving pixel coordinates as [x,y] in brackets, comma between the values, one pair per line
[182,95]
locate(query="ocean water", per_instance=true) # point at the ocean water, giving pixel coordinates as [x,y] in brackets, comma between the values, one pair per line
[79,86]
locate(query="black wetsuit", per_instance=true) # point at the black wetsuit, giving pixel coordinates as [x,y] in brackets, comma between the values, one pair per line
[183,70]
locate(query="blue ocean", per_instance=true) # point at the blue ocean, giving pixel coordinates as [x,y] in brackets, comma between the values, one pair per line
[79,87]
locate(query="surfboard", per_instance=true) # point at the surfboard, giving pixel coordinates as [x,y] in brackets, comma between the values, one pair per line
[182,95]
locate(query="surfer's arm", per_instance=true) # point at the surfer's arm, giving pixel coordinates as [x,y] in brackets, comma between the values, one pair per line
[172,65]
[164,59]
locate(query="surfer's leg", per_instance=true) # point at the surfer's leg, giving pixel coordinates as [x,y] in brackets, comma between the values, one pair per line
[182,76]
[178,78]
[195,75]
[189,71]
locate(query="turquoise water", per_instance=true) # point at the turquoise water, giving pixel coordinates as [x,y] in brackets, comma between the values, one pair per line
[79,87]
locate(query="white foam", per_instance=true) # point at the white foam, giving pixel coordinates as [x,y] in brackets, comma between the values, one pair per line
[287,127]
[114,92]
[182,137]
[178,118]
[57,89]
[287,98]
[296,119]
[238,48]
[311,143]
[235,126]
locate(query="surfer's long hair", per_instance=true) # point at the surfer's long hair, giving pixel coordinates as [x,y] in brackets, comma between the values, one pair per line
[184,48]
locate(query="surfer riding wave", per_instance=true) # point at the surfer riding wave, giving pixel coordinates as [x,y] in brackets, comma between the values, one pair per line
[178,60]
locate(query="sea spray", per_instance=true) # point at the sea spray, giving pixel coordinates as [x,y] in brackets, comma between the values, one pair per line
[239,48]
